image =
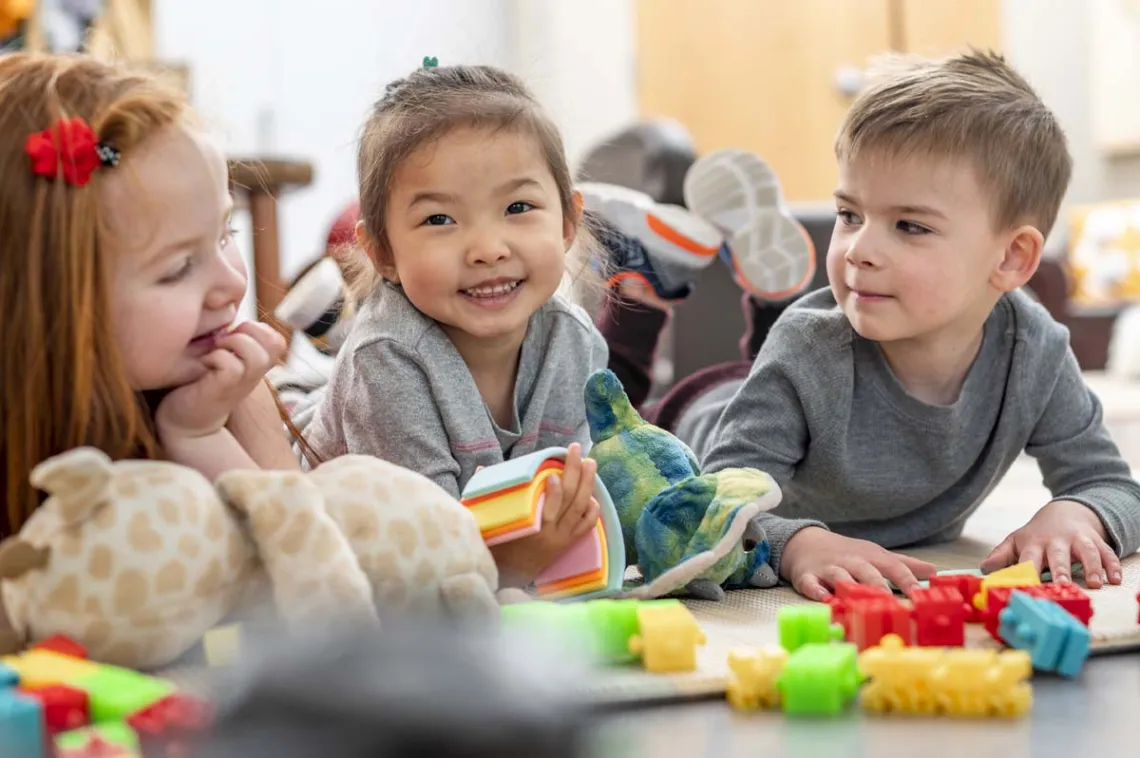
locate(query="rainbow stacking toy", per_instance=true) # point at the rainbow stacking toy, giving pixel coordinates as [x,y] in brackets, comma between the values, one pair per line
[507,500]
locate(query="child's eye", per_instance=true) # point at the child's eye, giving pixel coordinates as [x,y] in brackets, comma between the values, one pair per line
[519,207]
[228,234]
[911,228]
[438,219]
[847,217]
[177,275]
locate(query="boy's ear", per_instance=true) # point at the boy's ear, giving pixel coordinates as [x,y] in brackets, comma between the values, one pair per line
[571,222]
[371,246]
[1021,257]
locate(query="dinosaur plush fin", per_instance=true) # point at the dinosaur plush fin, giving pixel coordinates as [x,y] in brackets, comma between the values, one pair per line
[607,406]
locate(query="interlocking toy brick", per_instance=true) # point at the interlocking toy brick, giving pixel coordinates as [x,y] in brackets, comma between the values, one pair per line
[169,726]
[58,643]
[1069,596]
[869,620]
[39,668]
[21,725]
[939,617]
[112,739]
[849,592]
[64,708]
[8,676]
[968,585]
[115,693]
[1055,640]
[952,681]
[1023,574]
[667,638]
[819,679]
[804,624]
[752,677]
[222,645]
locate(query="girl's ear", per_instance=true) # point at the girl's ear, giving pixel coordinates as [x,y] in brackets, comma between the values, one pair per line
[372,247]
[571,222]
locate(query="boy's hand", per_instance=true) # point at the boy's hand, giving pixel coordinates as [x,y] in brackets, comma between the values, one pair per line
[568,514]
[239,361]
[1062,532]
[815,559]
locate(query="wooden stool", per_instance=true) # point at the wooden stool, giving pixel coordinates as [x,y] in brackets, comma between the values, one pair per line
[256,184]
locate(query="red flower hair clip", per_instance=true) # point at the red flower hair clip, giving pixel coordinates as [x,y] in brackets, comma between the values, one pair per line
[69,147]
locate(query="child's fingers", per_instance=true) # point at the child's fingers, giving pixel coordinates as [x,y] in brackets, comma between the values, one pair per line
[920,568]
[1083,549]
[832,575]
[812,588]
[588,520]
[572,470]
[864,572]
[552,506]
[1001,556]
[256,359]
[269,338]
[1111,564]
[575,508]
[1033,553]
[900,575]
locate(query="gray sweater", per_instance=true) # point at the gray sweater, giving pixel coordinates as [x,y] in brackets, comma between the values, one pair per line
[400,391]
[822,413]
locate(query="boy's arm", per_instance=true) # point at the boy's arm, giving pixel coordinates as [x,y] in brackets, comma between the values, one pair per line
[764,427]
[390,413]
[1080,462]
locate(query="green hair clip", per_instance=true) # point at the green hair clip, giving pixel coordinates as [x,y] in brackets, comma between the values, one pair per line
[430,61]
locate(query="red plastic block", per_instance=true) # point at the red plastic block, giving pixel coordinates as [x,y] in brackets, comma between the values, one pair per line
[1069,596]
[64,708]
[63,645]
[939,617]
[967,586]
[869,619]
[849,592]
[165,727]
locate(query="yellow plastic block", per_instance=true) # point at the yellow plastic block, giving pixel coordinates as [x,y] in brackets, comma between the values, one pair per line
[752,677]
[668,638]
[222,645]
[42,668]
[1023,574]
[950,681]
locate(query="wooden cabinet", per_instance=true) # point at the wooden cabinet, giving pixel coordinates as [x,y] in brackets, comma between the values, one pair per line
[765,75]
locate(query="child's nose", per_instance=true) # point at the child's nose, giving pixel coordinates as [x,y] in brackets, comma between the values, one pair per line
[487,251]
[229,284]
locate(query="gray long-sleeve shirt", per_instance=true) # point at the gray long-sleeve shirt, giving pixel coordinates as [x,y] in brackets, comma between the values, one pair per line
[822,413]
[401,391]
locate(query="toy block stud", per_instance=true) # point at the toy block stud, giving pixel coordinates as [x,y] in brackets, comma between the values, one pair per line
[668,639]
[968,585]
[803,624]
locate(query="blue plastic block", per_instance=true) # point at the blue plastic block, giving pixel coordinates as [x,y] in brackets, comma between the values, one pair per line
[21,726]
[8,677]
[1055,640]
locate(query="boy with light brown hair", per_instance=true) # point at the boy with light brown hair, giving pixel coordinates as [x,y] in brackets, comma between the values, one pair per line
[889,405]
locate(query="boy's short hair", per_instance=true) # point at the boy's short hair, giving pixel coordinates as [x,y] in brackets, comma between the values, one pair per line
[972,105]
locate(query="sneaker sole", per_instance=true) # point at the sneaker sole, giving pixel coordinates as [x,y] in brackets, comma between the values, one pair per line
[773,258]
[772,255]
[688,241]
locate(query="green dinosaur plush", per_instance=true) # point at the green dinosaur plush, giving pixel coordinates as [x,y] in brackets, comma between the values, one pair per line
[686,531]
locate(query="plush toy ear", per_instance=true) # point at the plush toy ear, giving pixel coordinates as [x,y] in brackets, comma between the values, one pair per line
[18,558]
[76,482]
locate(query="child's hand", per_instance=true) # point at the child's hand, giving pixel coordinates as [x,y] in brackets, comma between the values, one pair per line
[568,514]
[239,361]
[815,559]
[1062,532]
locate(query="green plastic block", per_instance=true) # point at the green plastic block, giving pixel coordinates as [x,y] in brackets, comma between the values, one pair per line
[804,624]
[116,693]
[116,733]
[820,679]
[612,624]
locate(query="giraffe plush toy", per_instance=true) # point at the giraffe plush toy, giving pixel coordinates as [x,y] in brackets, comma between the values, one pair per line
[136,560]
